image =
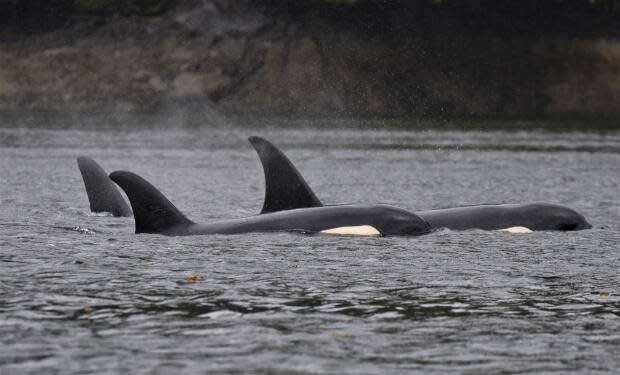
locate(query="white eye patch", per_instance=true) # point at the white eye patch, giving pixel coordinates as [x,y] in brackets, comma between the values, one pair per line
[360,230]
[516,230]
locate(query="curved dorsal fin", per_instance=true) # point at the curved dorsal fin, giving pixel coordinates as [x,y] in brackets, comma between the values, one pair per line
[152,211]
[102,193]
[285,188]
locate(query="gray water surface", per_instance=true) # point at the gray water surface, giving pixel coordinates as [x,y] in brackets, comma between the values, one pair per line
[81,293]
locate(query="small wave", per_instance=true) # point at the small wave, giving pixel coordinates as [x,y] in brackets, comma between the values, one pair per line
[79,229]
[100,214]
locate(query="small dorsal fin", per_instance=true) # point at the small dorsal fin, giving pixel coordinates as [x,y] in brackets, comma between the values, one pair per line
[285,188]
[152,211]
[102,193]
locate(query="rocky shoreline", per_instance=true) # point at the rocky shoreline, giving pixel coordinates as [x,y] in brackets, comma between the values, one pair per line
[270,58]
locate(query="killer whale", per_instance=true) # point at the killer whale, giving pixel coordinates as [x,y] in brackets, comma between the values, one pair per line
[536,216]
[154,213]
[533,216]
[103,195]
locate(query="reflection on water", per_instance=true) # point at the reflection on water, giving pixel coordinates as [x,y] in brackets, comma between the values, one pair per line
[81,293]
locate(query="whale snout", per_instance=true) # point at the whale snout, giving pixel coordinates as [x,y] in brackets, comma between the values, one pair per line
[405,223]
[572,220]
[579,223]
[417,228]
[556,217]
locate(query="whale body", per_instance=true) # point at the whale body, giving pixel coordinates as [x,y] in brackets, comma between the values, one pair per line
[103,195]
[532,216]
[289,190]
[154,213]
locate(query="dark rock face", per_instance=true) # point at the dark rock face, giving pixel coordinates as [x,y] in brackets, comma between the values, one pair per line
[314,59]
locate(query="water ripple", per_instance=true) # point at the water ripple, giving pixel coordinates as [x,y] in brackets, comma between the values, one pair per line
[82,293]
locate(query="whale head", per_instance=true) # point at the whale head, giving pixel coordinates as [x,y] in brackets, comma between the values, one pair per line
[555,217]
[399,222]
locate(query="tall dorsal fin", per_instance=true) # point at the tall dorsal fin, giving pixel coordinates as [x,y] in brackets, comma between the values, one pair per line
[285,188]
[152,211]
[102,193]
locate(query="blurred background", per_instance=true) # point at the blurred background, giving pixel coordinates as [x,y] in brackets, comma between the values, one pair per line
[189,63]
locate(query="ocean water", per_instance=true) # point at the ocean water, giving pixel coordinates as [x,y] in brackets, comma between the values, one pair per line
[81,293]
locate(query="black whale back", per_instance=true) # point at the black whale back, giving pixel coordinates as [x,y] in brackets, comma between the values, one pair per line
[152,211]
[103,195]
[285,188]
